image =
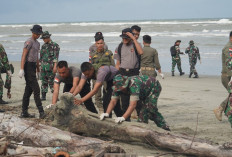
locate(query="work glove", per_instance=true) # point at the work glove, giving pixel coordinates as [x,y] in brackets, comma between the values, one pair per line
[103,115]
[119,119]
[49,106]
[21,73]
[68,93]
[38,75]
[9,73]
[162,75]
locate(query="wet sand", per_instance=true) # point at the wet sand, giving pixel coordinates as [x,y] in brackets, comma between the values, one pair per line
[181,100]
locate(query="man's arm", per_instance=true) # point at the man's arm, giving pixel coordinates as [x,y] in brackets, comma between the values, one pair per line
[79,87]
[56,87]
[117,64]
[75,83]
[130,109]
[23,59]
[96,87]
[54,68]
[137,45]
[111,105]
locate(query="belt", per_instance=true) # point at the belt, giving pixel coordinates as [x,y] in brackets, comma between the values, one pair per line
[131,70]
[147,68]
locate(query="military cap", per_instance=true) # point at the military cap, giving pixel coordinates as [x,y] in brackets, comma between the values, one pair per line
[120,82]
[124,31]
[37,29]
[45,35]
[178,41]
[98,36]
[191,42]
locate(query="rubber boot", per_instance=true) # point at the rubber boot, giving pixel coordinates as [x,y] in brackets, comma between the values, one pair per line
[173,73]
[218,113]
[196,75]
[25,114]
[190,75]
[2,101]
[42,115]
[181,73]
[165,127]
[43,98]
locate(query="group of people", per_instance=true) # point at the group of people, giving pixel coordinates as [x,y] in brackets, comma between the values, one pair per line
[193,53]
[128,85]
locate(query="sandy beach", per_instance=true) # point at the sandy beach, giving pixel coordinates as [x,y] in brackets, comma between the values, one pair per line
[182,99]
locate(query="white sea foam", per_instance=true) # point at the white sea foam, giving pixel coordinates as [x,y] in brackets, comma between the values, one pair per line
[205,30]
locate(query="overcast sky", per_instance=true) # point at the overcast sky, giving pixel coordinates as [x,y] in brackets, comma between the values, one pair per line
[37,11]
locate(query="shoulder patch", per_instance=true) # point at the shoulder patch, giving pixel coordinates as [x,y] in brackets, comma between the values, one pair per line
[56,80]
[230,49]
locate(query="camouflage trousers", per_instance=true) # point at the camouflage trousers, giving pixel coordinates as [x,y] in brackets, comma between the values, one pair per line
[192,64]
[149,108]
[174,62]
[228,110]
[225,80]
[7,84]
[47,78]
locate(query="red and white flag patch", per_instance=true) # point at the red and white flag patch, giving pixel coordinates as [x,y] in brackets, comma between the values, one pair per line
[230,49]
[56,80]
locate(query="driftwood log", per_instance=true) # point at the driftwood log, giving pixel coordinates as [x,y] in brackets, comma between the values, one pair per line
[44,138]
[67,116]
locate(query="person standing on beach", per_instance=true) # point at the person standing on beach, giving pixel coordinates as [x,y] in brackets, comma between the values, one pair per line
[150,59]
[4,65]
[48,59]
[100,55]
[29,66]
[128,59]
[71,77]
[140,87]
[175,53]
[225,76]
[193,53]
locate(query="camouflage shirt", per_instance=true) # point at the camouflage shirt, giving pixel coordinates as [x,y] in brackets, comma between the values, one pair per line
[49,53]
[193,52]
[227,59]
[3,58]
[139,87]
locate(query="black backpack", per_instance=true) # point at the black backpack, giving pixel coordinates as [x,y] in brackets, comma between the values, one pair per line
[136,52]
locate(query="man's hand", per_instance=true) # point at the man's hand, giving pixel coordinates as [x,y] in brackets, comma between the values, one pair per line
[49,106]
[77,101]
[162,75]
[104,115]
[9,73]
[21,73]
[119,119]
[130,35]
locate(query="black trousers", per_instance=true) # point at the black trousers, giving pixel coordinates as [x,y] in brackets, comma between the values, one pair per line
[107,97]
[86,89]
[125,98]
[32,86]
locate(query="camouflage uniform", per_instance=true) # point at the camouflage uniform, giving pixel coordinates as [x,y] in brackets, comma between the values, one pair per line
[193,53]
[48,56]
[175,53]
[4,63]
[98,59]
[144,88]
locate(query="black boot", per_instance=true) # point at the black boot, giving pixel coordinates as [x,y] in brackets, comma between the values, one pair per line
[181,73]
[173,73]
[2,101]
[190,75]
[42,115]
[25,114]
[43,98]
[196,75]
[165,127]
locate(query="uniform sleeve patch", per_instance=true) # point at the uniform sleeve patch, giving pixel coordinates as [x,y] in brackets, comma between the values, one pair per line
[56,80]
[230,49]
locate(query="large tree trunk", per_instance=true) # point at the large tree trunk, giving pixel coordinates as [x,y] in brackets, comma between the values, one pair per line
[76,119]
[38,135]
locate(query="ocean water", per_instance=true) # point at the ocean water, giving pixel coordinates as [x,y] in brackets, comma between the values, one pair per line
[210,36]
